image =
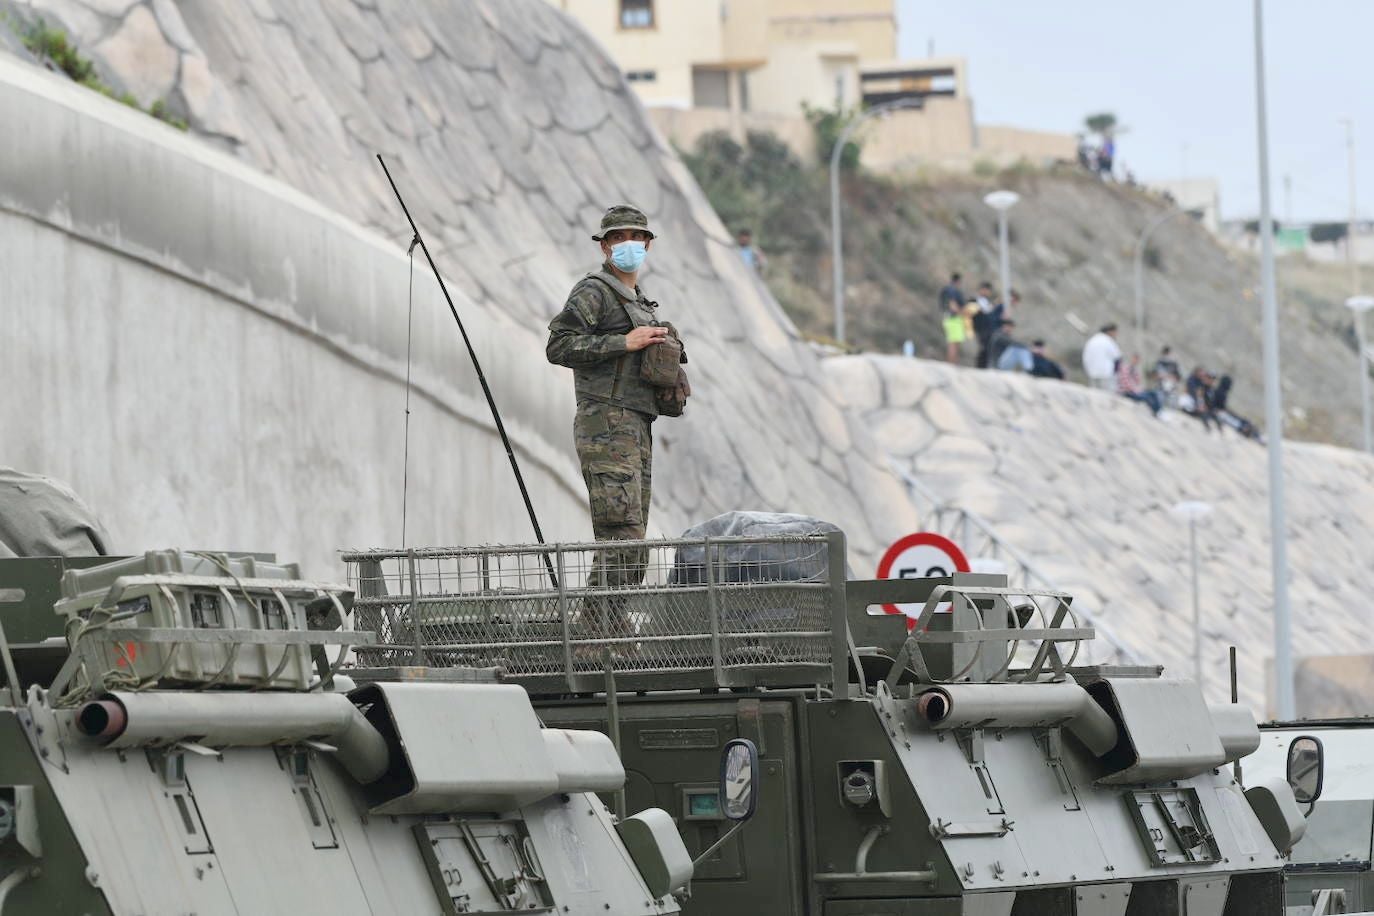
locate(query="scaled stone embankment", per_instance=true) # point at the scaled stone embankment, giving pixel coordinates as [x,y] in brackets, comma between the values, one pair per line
[1082,482]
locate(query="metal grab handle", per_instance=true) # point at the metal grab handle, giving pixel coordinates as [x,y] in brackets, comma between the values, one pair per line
[14,879]
[925,875]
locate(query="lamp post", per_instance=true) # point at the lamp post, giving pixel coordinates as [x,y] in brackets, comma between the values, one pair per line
[1359,305]
[836,242]
[1194,511]
[1140,243]
[1353,264]
[1273,399]
[1002,201]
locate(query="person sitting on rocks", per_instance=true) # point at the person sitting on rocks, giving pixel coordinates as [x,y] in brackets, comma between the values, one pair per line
[1221,394]
[1129,386]
[1041,364]
[1196,400]
[1166,367]
[1012,355]
[1165,376]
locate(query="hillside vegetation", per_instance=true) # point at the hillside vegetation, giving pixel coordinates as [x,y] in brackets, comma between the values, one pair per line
[1072,245]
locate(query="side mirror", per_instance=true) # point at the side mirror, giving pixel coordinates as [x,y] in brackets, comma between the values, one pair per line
[738,789]
[739,777]
[1306,768]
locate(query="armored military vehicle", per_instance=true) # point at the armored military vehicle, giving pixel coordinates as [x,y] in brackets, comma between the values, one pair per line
[1330,765]
[176,737]
[964,766]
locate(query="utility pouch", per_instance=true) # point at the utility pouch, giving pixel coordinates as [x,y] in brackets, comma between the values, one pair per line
[661,367]
[672,401]
[659,364]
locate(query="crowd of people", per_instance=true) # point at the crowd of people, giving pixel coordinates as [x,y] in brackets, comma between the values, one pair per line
[1202,395]
[983,319]
[1098,159]
[989,325]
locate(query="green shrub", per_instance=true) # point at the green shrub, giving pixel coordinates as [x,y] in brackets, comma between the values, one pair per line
[160,111]
[828,124]
[52,44]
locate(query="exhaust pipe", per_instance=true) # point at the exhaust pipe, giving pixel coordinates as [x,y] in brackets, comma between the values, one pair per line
[161,718]
[1020,706]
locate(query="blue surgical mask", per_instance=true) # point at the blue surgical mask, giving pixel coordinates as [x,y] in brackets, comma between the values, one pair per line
[628,255]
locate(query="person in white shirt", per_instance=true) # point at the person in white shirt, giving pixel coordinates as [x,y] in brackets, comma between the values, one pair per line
[1100,356]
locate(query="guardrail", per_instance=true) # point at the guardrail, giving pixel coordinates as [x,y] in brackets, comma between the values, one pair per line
[671,614]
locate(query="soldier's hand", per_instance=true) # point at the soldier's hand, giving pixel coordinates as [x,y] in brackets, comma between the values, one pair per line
[640,338]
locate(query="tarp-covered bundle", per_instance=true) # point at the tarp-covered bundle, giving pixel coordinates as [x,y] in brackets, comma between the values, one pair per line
[42,517]
[776,561]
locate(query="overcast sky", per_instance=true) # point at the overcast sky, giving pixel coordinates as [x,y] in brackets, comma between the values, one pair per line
[1180,75]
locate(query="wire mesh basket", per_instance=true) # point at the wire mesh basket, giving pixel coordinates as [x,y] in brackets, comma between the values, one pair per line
[681,613]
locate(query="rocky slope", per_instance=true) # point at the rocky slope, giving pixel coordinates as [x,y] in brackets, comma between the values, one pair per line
[1073,241]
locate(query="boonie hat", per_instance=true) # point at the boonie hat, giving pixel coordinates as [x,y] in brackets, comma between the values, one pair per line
[623,216]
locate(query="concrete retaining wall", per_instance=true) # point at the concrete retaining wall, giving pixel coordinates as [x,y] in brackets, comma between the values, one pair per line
[212,358]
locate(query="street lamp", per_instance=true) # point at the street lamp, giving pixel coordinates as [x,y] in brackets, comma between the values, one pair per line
[1359,305]
[1273,398]
[1002,201]
[1194,511]
[837,246]
[1140,269]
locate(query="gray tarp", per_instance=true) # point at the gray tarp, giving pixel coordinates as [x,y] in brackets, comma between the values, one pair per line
[42,517]
[787,562]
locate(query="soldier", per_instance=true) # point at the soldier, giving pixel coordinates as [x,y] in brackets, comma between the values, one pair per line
[601,335]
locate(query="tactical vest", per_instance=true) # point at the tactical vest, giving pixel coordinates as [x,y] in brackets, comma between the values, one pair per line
[617,381]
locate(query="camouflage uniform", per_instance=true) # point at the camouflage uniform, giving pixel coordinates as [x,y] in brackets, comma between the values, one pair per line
[612,429]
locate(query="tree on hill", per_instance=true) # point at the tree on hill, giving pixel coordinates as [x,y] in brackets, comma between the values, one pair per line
[1328,232]
[827,124]
[1103,122]
[756,185]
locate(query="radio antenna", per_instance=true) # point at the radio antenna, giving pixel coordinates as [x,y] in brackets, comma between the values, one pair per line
[476,365]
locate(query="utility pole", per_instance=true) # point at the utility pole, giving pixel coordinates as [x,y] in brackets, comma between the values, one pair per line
[1350,228]
[1195,511]
[1140,268]
[836,227]
[1273,401]
[1288,200]
[1358,305]
[1002,201]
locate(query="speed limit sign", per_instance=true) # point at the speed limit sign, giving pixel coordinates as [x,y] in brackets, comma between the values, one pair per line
[922,555]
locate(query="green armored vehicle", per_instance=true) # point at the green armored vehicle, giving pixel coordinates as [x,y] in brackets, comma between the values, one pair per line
[965,766]
[176,737]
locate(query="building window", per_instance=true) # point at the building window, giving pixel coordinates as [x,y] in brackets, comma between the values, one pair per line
[710,88]
[636,14]
[641,76]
